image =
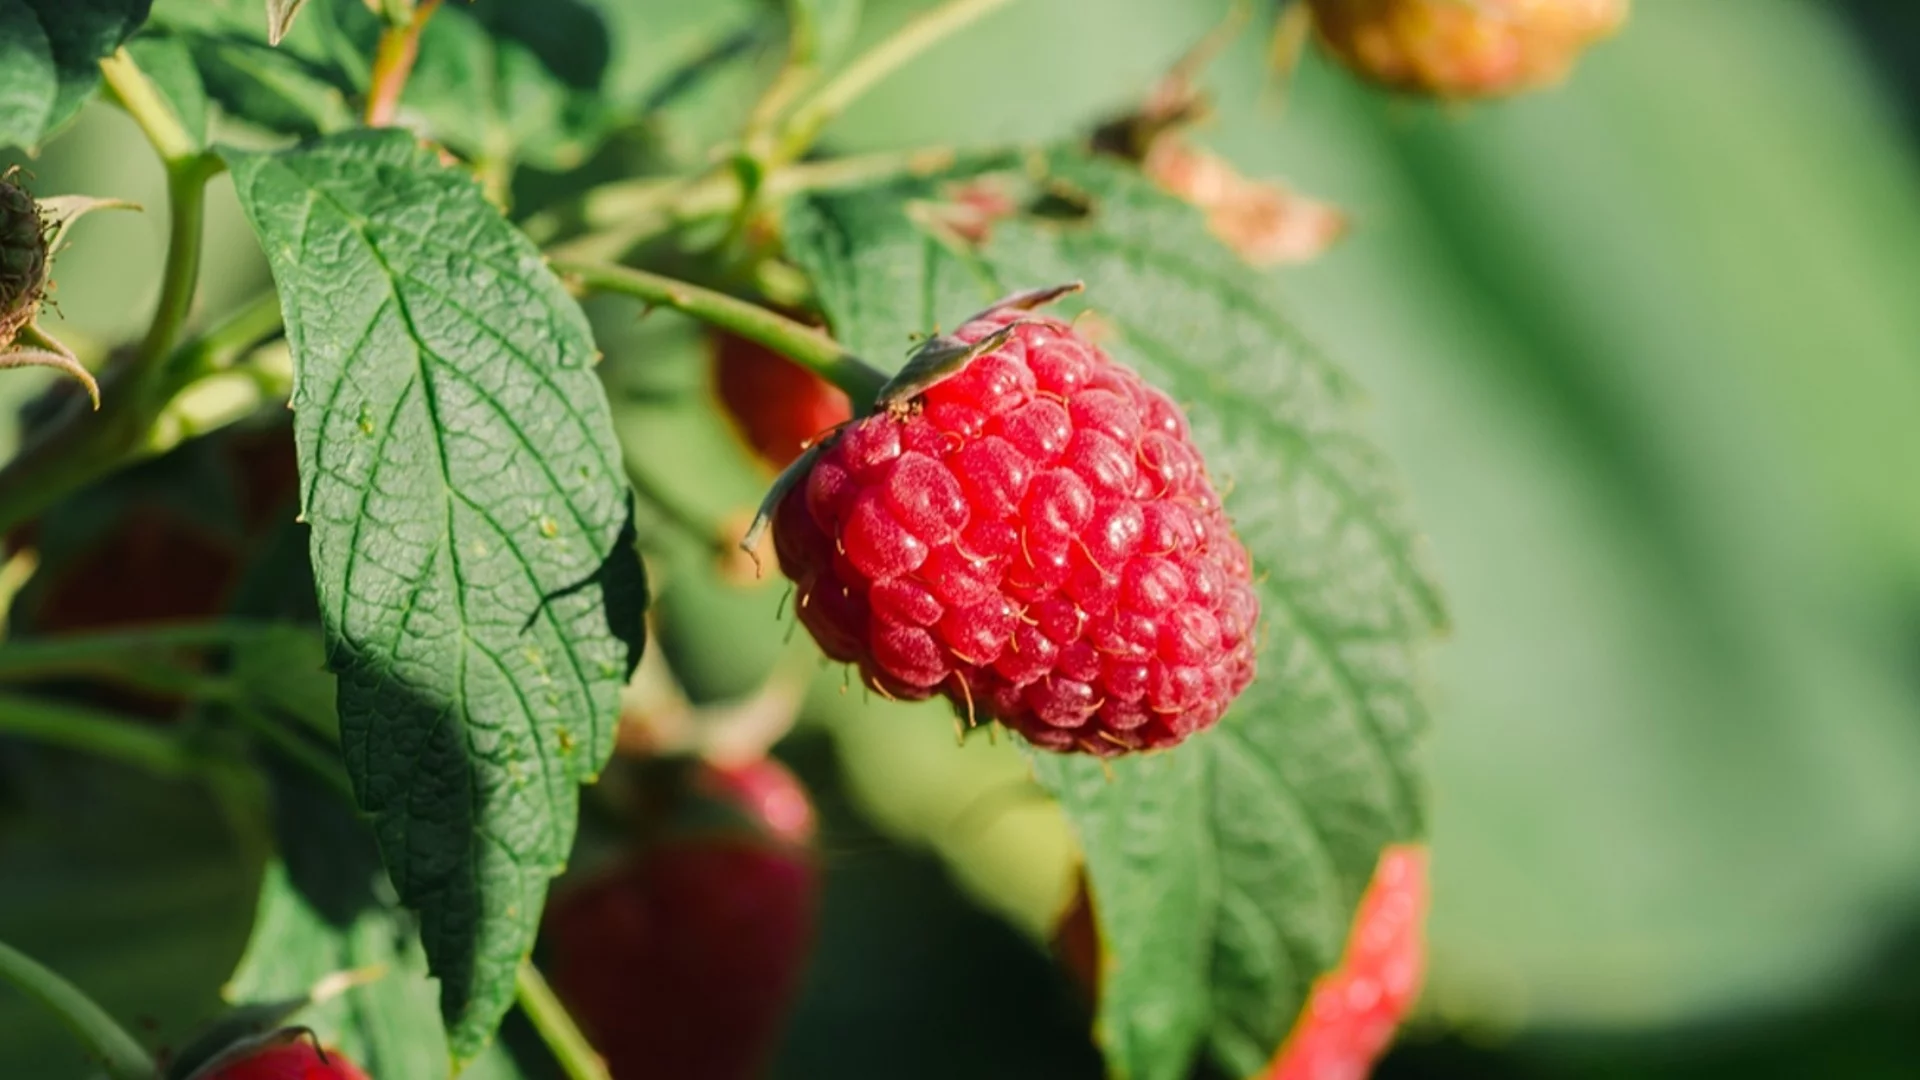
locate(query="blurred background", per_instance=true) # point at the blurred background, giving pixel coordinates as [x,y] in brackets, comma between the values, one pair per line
[1647,351]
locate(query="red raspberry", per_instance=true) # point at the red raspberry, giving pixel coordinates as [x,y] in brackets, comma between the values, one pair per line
[1455,49]
[682,959]
[778,405]
[295,1060]
[1034,537]
[1351,1017]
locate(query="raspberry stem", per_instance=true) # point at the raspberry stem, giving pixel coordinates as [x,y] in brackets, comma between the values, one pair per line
[119,1053]
[883,59]
[556,1027]
[799,342]
[393,62]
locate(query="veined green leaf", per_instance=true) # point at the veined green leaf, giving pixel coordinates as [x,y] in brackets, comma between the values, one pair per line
[1224,872]
[471,535]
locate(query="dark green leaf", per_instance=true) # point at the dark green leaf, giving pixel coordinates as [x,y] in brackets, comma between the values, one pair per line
[1225,871]
[27,80]
[138,890]
[169,65]
[471,535]
[514,79]
[80,32]
[304,86]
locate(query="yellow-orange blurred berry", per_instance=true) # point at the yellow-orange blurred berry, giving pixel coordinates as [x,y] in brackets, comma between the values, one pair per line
[1463,48]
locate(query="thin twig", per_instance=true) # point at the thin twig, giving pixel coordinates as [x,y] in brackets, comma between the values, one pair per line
[797,341]
[556,1027]
[393,63]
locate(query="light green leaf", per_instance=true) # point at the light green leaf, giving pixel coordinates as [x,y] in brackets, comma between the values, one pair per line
[470,535]
[1224,872]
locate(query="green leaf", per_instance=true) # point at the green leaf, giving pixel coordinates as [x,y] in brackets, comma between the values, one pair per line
[79,33]
[137,890]
[1224,872]
[27,80]
[302,86]
[168,64]
[511,78]
[471,535]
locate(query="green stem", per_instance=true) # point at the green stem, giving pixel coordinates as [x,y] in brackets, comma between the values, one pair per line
[187,213]
[136,94]
[222,345]
[622,215]
[562,1036]
[78,447]
[40,658]
[800,343]
[883,59]
[118,1051]
[92,731]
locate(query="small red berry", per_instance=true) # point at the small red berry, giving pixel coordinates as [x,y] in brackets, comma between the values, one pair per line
[683,958]
[1461,49]
[779,406]
[1036,538]
[1350,1019]
[298,1059]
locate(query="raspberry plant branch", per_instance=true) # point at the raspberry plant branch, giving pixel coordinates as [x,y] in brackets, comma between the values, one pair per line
[563,1037]
[799,342]
[78,448]
[621,215]
[393,63]
[96,732]
[883,59]
[119,1053]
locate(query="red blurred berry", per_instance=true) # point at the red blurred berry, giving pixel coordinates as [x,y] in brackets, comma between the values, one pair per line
[778,405]
[1034,537]
[298,1059]
[767,793]
[1350,1019]
[1457,49]
[683,957]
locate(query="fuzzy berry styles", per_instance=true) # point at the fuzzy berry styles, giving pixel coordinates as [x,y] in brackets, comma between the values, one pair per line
[298,1059]
[1461,49]
[1350,1019]
[1033,536]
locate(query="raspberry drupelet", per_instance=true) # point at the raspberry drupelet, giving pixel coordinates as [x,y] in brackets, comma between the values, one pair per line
[1034,537]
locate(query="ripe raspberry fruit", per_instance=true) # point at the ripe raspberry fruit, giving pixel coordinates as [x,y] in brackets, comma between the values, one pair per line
[1350,1019]
[297,1059]
[682,959]
[1033,536]
[1463,48]
[778,405]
